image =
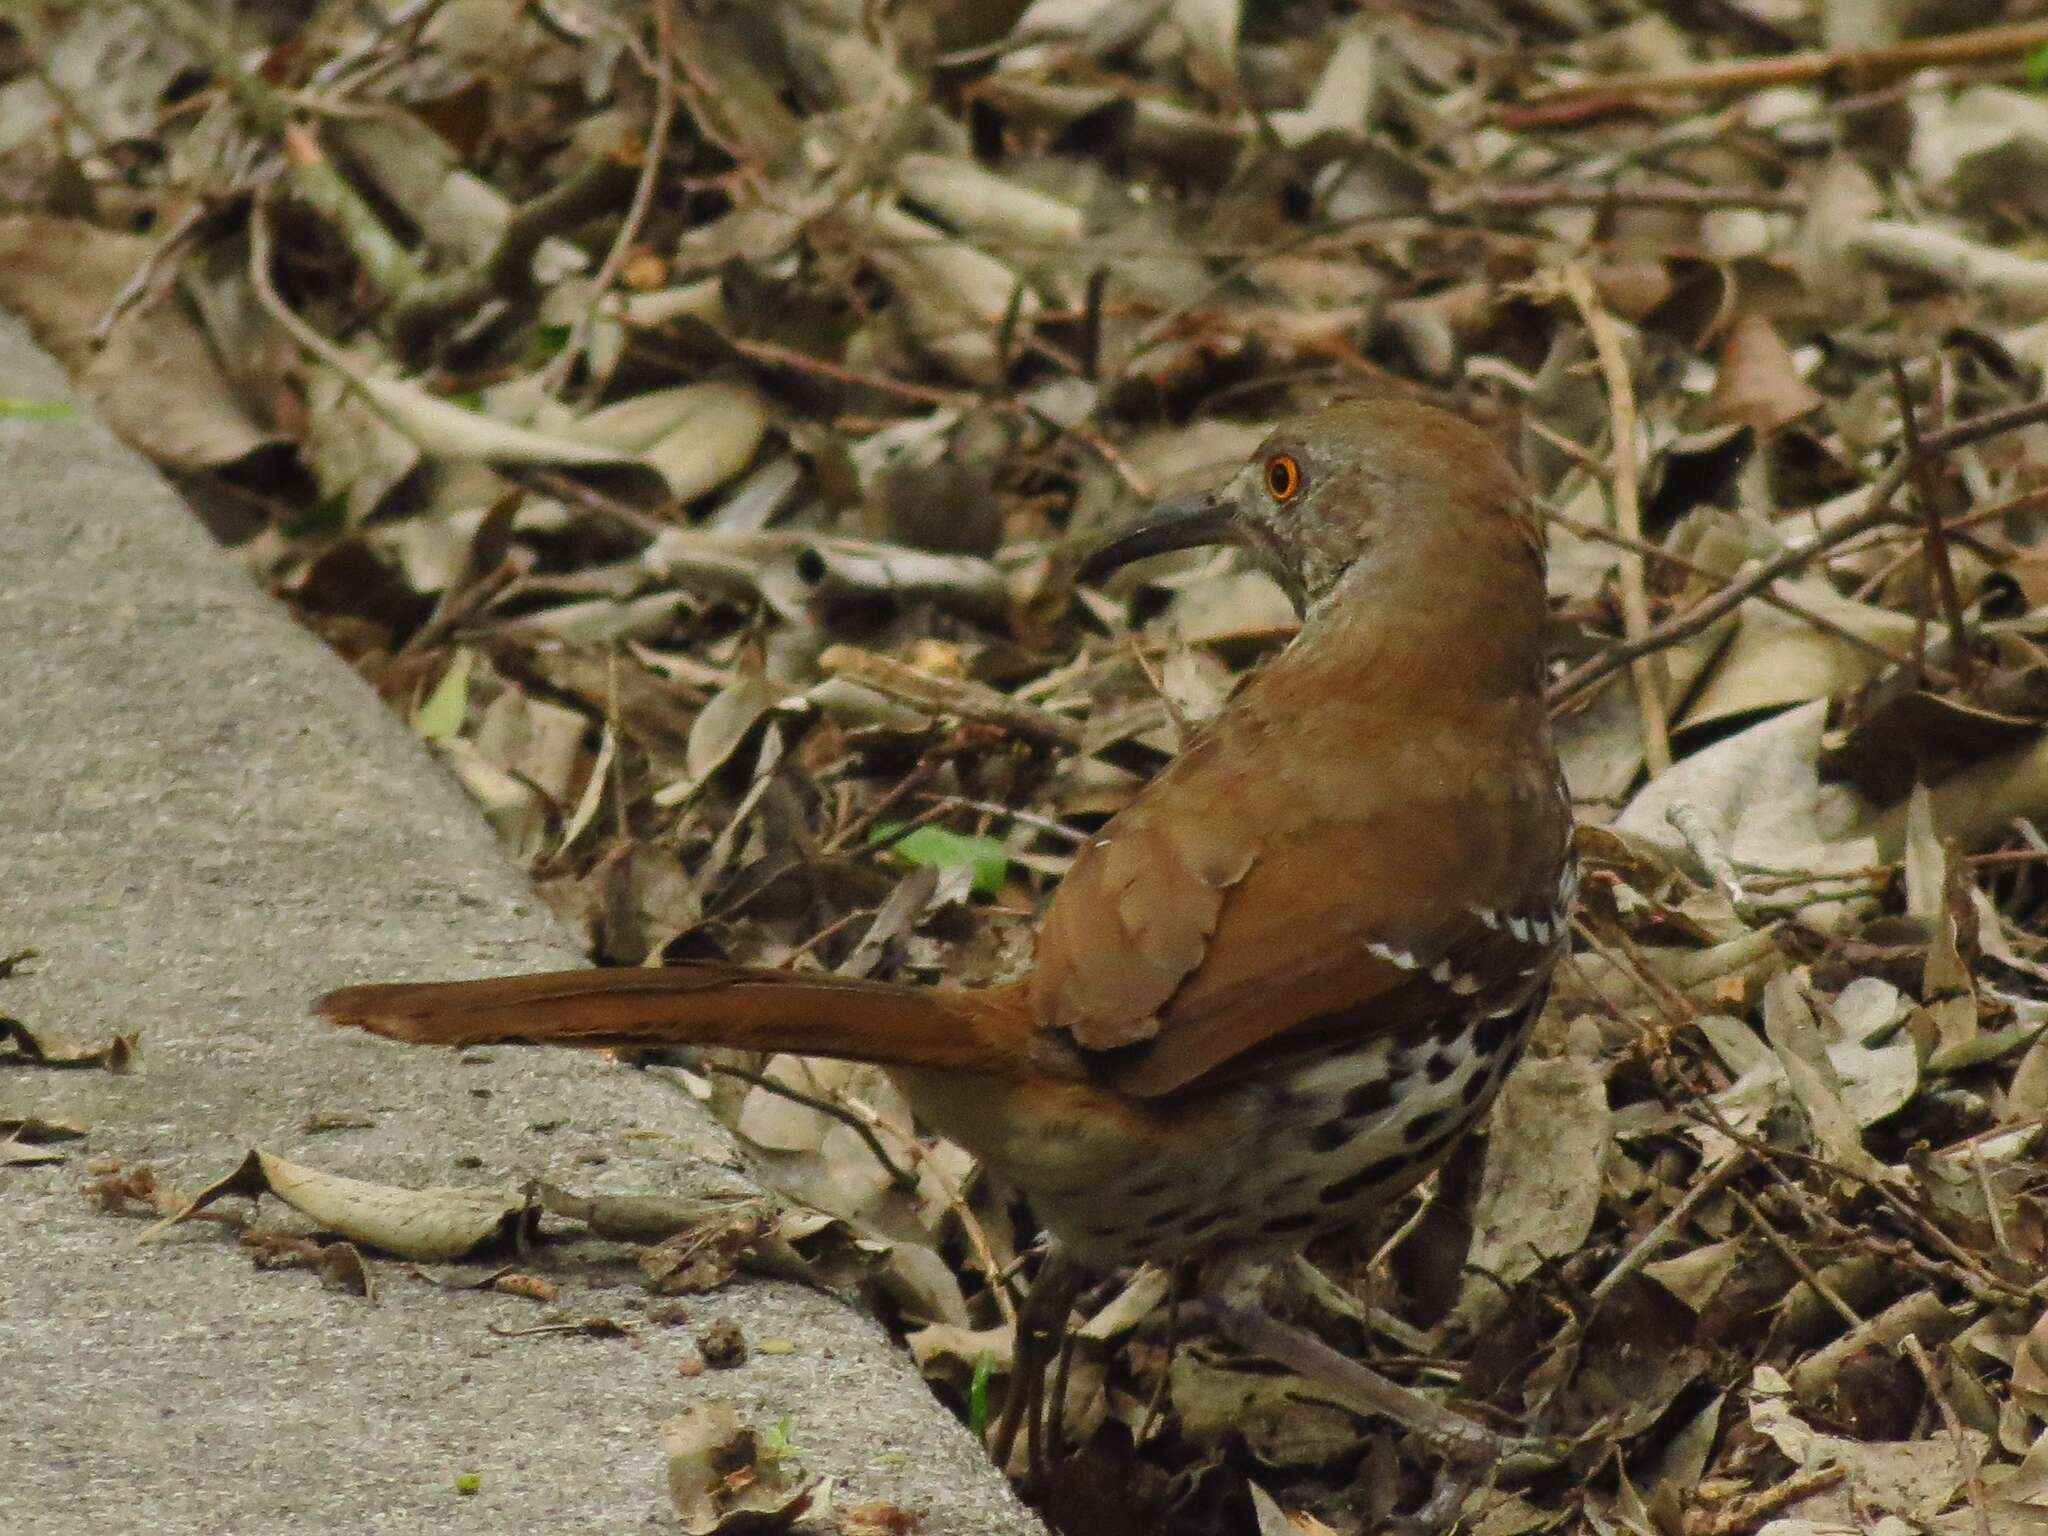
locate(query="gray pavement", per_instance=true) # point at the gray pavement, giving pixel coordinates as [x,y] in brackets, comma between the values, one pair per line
[205,820]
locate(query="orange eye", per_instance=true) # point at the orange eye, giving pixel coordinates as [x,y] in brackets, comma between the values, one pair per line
[1283,477]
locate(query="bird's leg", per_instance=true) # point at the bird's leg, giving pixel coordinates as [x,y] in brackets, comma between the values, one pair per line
[1043,1318]
[1176,1280]
[1056,1411]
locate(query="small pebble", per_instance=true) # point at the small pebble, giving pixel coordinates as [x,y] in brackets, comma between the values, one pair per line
[722,1344]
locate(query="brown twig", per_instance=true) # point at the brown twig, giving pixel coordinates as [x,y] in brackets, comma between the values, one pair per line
[383,35]
[1628,512]
[1072,836]
[1752,1509]
[1927,483]
[1785,605]
[910,783]
[169,247]
[557,371]
[1792,1256]
[773,355]
[1155,1406]
[1664,997]
[1957,528]
[951,695]
[1702,1188]
[1542,195]
[900,1176]
[770,354]
[1797,68]
[1973,1473]
[1703,613]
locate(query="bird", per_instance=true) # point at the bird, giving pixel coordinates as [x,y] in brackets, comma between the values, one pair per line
[1278,988]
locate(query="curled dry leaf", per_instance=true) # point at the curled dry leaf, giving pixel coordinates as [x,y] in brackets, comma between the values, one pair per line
[719,1480]
[696,436]
[430,1226]
[21,1043]
[155,379]
[706,1254]
[644,1218]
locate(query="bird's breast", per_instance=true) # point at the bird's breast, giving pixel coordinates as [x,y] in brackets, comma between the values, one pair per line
[1274,1160]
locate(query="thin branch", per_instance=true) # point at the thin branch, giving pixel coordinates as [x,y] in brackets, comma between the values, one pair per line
[1785,605]
[1928,485]
[1798,68]
[900,1176]
[1628,512]
[1541,195]
[1973,1472]
[557,371]
[1792,1256]
[1696,618]
[170,245]
[1750,1511]
[1702,1188]
[950,695]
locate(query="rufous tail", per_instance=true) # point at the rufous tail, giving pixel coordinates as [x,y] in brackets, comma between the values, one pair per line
[700,1004]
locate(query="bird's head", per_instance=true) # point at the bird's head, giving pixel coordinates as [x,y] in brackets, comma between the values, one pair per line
[1401,498]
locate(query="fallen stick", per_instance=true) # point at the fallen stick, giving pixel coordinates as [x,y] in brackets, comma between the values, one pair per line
[1799,68]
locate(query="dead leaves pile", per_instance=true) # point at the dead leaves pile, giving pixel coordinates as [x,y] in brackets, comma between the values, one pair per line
[684,415]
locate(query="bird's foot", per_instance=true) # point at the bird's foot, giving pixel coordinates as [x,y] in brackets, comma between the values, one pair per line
[1041,1328]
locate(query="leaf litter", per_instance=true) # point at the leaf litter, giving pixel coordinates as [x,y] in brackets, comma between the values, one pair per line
[688,418]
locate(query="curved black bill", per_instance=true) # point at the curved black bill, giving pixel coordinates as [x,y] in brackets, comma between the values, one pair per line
[1182,523]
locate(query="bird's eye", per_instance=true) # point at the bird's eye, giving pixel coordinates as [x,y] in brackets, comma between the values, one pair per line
[1283,477]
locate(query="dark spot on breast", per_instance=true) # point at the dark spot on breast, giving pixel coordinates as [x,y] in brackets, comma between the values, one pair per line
[1330,1135]
[1370,1097]
[1494,1033]
[1166,1218]
[1419,1128]
[1301,1221]
[1475,1086]
[1415,1036]
[1202,1221]
[1441,1066]
[1366,1177]
[1150,1188]
[1450,1133]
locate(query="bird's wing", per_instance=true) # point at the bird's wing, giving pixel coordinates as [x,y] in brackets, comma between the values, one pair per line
[1255,899]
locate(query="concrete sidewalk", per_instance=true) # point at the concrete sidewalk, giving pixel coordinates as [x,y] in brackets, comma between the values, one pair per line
[205,820]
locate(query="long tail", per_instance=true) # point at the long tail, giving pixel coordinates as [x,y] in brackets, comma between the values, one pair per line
[756,1010]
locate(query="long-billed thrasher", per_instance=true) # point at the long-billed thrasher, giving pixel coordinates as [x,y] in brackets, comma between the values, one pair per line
[1274,992]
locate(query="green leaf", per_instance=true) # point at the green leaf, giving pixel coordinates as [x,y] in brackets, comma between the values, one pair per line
[468,1484]
[441,716]
[2035,66]
[545,342]
[941,849]
[327,515]
[779,1441]
[39,410]
[977,1392]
